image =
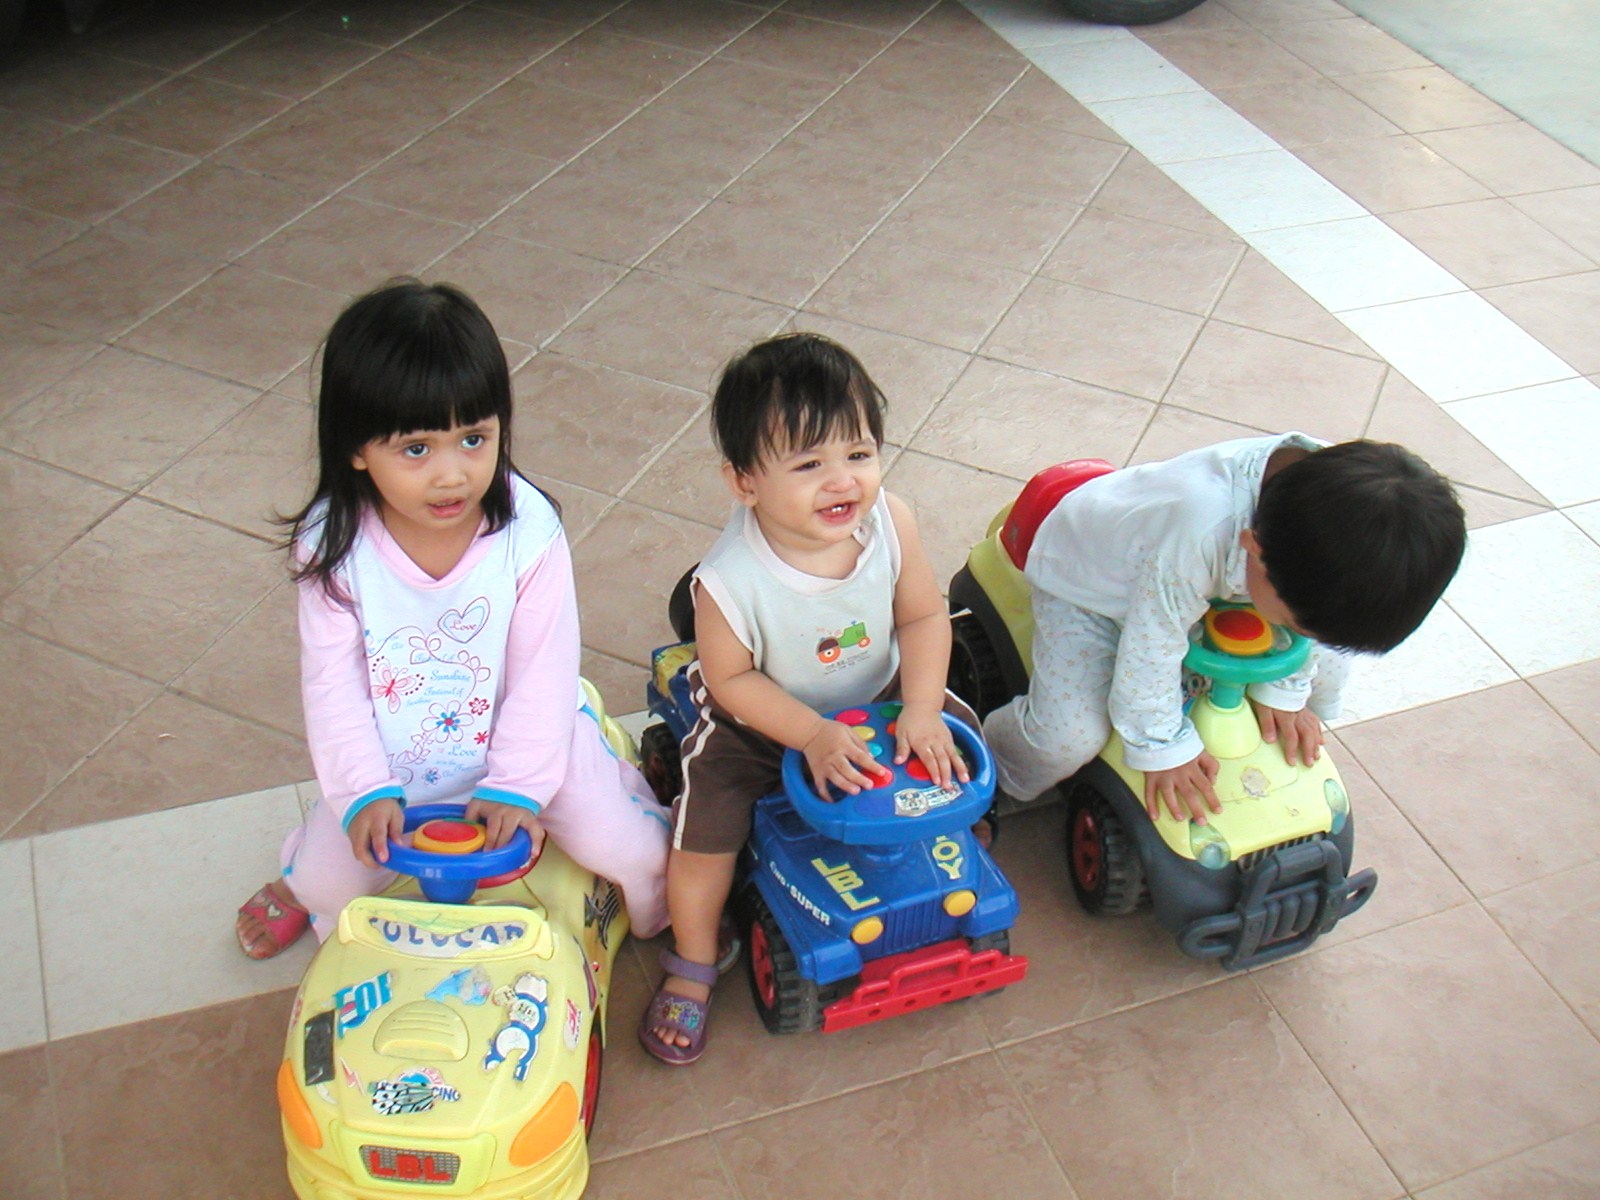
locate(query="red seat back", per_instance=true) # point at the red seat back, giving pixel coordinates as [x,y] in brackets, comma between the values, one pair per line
[1039,498]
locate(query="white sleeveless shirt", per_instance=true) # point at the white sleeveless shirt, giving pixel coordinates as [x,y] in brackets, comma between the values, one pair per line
[829,643]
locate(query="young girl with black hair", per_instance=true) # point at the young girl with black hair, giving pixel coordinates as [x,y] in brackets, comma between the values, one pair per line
[439,628]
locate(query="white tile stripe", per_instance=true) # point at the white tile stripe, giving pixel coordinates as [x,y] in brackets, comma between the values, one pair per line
[109,957]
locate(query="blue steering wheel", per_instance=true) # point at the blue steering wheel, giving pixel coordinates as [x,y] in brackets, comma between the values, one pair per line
[905,805]
[452,878]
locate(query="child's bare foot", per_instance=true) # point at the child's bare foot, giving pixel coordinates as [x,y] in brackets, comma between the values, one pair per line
[270,921]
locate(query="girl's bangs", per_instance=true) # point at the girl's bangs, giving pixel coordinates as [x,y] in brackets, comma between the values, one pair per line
[414,396]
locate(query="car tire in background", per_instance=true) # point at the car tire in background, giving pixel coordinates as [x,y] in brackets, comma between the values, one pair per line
[787,1001]
[1129,12]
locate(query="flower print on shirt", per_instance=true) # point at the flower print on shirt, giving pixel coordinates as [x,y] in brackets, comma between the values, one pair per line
[392,686]
[447,721]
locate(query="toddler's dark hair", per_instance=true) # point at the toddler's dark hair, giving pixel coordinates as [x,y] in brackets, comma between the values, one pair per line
[407,356]
[1360,540]
[791,392]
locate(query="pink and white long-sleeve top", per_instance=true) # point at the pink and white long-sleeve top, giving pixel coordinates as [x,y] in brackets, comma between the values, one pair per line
[426,689]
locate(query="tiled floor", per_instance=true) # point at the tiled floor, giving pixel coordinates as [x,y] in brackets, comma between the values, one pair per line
[1047,240]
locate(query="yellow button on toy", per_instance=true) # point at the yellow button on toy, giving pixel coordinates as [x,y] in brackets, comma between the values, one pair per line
[448,837]
[1238,631]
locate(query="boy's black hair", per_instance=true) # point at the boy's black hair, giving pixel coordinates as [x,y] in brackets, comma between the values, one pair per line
[407,356]
[1359,540]
[791,392]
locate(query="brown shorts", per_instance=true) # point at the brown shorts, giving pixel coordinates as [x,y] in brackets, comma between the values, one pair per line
[728,766]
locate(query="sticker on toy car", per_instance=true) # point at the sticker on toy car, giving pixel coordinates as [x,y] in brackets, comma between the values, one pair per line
[356,1003]
[518,1038]
[429,943]
[470,985]
[411,1091]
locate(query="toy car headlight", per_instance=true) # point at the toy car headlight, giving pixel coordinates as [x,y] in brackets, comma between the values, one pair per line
[1210,848]
[959,904]
[297,1113]
[868,930]
[548,1130]
[1338,804]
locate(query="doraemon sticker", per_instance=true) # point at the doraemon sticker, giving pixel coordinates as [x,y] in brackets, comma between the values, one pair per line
[572,1027]
[913,802]
[600,908]
[525,1004]
[422,942]
[470,985]
[411,1091]
[354,1004]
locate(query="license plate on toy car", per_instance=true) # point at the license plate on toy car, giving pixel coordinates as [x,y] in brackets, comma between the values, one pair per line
[395,1165]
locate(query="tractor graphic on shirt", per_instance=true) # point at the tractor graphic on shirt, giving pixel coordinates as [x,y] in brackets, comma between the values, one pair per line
[830,648]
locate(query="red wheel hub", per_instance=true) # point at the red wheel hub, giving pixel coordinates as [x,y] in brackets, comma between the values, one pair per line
[761,963]
[1088,853]
[591,1082]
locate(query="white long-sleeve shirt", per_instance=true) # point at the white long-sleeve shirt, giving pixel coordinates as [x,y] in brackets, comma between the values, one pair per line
[428,689]
[1150,547]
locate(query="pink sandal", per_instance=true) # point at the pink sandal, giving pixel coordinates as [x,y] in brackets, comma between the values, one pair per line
[284,923]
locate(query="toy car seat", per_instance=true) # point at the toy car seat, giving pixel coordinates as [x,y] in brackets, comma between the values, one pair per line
[1039,499]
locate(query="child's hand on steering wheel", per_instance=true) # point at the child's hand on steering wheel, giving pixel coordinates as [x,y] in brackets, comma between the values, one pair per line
[501,821]
[920,729]
[372,827]
[836,756]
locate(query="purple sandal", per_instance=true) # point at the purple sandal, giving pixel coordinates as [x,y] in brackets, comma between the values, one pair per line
[678,1013]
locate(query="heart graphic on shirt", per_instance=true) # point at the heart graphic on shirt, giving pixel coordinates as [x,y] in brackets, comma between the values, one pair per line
[464,625]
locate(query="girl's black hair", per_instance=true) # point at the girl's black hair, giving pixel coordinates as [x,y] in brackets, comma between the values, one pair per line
[405,357]
[1359,540]
[791,392]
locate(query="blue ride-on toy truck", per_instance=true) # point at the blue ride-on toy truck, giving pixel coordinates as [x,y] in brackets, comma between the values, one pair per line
[863,908]
[1259,881]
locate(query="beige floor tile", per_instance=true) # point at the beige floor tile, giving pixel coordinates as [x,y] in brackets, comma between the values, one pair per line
[1442,1041]
[593,425]
[882,1133]
[1405,415]
[1247,376]
[105,1142]
[60,508]
[36,357]
[287,60]
[1144,260]
[1563,1169]
[817,50]
[256,468]
[375,22]
[29,1154]
[253,670]
[27,235]
[529,292]
[1103,1091]
[174,753]
[1419,759]
[89,175]
[907,288]
[1110,341]
[1037,99]
[581,507]
[755,98]
[1555,921]
[25,136]
[1015,422]
[347,245]
[947,77]
[1305,112]
[1572,214]
[657,327]
[540,118]
[175,36]
[1512,158]
[104,282]
[953,505]
[450,177]
[73,88]
[686,480]
[490,39]
[621,683]
[1487,242]
[192,116]
[1490,508]
[84,704]
[1561,312]
[701,25]
[240,324]
[1421,99]
[648,549]
[1392,173]
[1346,47]
[1229,57]
[218,211]
[162,412]
[1175,431]
[1262,297]
[693,1166]
[736,247]
[600,63]
[1575,694]
[148,589]
[830,179]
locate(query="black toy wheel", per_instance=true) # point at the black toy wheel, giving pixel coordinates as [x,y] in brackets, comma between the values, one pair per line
[1129,12]
[1106,872]
[662,763]
[1000,941]
[787,1002]
[591,1083]
[975,673]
